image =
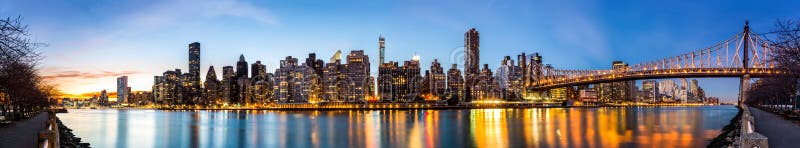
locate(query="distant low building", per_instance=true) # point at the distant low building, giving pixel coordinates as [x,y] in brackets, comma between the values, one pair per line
[649,90]
[588,95]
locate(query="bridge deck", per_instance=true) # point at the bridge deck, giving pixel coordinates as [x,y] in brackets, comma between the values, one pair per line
[563,81]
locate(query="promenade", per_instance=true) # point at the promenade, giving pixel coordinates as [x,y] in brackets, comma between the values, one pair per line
[781,132]
[23,133]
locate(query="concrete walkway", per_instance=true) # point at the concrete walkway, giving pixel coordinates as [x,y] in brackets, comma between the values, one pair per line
[23,133]
[781,132]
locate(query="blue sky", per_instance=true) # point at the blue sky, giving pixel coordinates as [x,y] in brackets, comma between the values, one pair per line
[92,42]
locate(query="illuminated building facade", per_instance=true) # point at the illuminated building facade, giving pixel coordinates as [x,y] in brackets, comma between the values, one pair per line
[314,63]
[471,62]
[260,89]
[562,93]
[103,97]
[333,86]
[167,87]
[437,81]
[455,83]
[411,91]
[381,48]
[122,89]
[194,88]
[213,88]
[587,95]
[229,87]
[389,78]
[622,90]
[294,82]
[484,87]
[666,90]
[242,82]
[357,70]
[649,90]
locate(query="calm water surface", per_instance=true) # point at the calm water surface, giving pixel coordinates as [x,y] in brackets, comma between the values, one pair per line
[537,127]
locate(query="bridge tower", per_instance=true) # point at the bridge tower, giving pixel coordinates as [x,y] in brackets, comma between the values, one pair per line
[744,82]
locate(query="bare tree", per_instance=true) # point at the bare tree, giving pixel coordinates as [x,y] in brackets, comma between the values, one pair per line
[786,41]
[781,90]
[20,83]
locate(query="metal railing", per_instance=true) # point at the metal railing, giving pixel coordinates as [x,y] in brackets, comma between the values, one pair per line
[748,138]
[49,138]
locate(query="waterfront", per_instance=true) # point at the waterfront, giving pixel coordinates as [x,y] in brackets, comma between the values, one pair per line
[533,127]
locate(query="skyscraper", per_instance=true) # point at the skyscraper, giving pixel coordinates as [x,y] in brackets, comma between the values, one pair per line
[666,90]
[411,90]
[471,60]
[122,89]
[212,92]
[649,90]
[621,90]
[381,47]
[258,71]
[332,79]
[242,81]
[437,80]
[315,64]
[156,89]
[241,67]
[389,77]
[504,77]
[484,88]
[229,84]
[194,69]
[169,86]
[357,75]
[683,91]
[294,82]
[455,83]
[425,86]
[260,89]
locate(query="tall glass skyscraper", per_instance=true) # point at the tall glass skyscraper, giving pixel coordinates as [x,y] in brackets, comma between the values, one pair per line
[122,89]
[194,64]
[382,48]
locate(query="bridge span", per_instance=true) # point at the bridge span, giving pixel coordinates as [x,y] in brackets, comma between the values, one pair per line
[744,55]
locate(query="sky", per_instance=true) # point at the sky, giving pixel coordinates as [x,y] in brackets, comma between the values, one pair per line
[90,43]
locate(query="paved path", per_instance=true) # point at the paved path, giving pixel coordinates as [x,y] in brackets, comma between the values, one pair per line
[23,134]
[781,132]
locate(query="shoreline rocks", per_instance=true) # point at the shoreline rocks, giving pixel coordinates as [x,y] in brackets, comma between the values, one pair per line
[729,133]
[68,139]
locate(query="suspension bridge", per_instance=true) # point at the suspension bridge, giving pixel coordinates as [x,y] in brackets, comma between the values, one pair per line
[743,55]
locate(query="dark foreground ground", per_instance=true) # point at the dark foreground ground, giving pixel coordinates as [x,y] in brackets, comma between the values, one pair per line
[23,133]
[781,132]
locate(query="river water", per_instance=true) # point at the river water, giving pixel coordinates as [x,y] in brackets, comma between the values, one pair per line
[496,128]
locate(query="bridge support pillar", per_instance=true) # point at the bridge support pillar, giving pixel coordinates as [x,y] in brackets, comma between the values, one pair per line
[744,85]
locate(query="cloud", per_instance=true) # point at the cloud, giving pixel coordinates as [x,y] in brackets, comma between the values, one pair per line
[74,74]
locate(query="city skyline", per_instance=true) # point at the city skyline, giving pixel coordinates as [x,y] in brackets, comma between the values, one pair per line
[595,50]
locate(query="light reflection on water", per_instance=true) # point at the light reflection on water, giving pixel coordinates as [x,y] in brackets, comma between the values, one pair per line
[536,127]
